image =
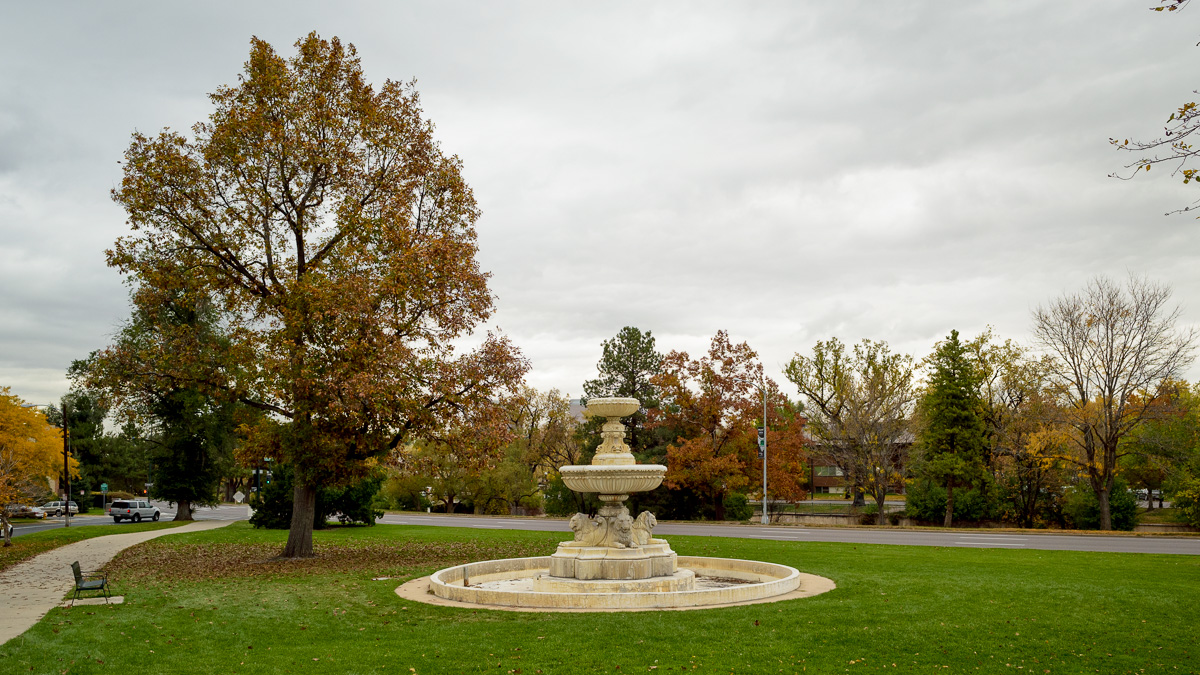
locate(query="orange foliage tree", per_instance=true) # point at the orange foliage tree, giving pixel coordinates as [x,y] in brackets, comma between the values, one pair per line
[713,405]
[339,243]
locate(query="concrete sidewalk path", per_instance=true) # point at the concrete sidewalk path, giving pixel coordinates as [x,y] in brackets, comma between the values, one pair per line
[31,589]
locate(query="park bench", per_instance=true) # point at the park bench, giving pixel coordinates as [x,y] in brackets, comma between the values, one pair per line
[89,581]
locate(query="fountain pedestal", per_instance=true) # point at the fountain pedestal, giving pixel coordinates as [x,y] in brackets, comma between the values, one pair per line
[612,549]
[596,562]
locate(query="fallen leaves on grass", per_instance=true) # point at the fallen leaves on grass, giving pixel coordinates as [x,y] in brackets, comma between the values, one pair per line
[193,562]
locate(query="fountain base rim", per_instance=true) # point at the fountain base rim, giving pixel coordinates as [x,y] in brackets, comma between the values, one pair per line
[767,582]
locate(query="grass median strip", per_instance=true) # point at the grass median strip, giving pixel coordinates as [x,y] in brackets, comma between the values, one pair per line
[29,545]
[216,601]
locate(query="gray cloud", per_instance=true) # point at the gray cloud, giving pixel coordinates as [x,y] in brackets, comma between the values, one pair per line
[786,171]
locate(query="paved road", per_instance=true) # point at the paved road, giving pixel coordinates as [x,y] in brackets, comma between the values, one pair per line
[224,512]
[972,539]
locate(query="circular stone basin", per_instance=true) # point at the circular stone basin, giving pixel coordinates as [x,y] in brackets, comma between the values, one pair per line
[508,583]
[613,479]
[612,407]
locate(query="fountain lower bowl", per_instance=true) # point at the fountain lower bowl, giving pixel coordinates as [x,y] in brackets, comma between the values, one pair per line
[497,583]
[613,479]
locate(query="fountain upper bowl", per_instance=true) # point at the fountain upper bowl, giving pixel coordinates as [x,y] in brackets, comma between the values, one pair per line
[612,407]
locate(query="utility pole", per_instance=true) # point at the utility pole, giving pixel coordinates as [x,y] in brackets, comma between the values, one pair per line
[765,518]
[66,466]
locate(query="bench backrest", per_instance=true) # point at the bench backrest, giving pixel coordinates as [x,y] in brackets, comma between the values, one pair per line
[78,574]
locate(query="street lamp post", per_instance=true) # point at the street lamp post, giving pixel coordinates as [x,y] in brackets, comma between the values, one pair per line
[762,443]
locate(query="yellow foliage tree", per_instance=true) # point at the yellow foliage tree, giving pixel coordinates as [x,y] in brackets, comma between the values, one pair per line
[30,452]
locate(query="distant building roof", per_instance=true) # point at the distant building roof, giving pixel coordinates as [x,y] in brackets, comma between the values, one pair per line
[577,409]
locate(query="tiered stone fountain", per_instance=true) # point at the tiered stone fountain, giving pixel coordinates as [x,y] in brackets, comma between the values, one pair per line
[614,547]
[614,562]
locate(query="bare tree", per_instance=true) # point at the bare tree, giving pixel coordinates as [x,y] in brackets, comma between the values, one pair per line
[1113,349]
[858,408]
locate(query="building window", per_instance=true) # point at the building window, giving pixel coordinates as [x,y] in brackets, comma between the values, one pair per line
[829,471]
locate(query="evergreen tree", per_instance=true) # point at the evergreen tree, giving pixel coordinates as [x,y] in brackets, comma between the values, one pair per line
[627,363]
[195,436]
[189,433]
[953,437]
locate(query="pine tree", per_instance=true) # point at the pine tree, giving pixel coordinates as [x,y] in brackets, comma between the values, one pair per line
[627,363]
[953,437]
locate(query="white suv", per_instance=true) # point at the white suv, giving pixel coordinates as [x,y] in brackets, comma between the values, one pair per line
[132,509]
[57,508]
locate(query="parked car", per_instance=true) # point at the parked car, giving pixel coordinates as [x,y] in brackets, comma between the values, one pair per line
[24,511]
[132,509]
[57,508]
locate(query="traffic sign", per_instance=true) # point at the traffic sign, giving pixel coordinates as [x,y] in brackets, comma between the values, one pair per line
[104,487]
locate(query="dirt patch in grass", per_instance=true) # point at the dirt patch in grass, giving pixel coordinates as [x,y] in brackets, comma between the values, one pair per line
[155,561]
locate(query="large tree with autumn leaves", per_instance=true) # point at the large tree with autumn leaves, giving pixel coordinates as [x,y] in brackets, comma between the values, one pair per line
[338,242]
[712,406]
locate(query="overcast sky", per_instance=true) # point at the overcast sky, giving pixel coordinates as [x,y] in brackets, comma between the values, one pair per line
[786,171]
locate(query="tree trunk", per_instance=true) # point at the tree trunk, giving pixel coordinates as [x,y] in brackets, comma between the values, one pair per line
[858,501]
[5,527]
[881,503]
[184,512]
[949,505]
[300,534]
[1105,512]
[719,506]
[1027,513]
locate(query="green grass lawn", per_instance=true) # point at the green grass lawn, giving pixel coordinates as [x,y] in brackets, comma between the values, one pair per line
[214,602]
[1167,515]
[26,546]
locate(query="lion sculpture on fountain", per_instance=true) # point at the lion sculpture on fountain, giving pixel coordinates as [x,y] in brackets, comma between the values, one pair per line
[622,536]
[642,528]
[588,531]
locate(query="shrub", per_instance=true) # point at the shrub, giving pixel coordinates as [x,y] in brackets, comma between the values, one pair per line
[870,514]
[1081,509]
[1186,500]
[560,501]
[926,502]
[273,509]
[668,504]
[403,493]
[737,507]
[355,502]
[1047,512]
